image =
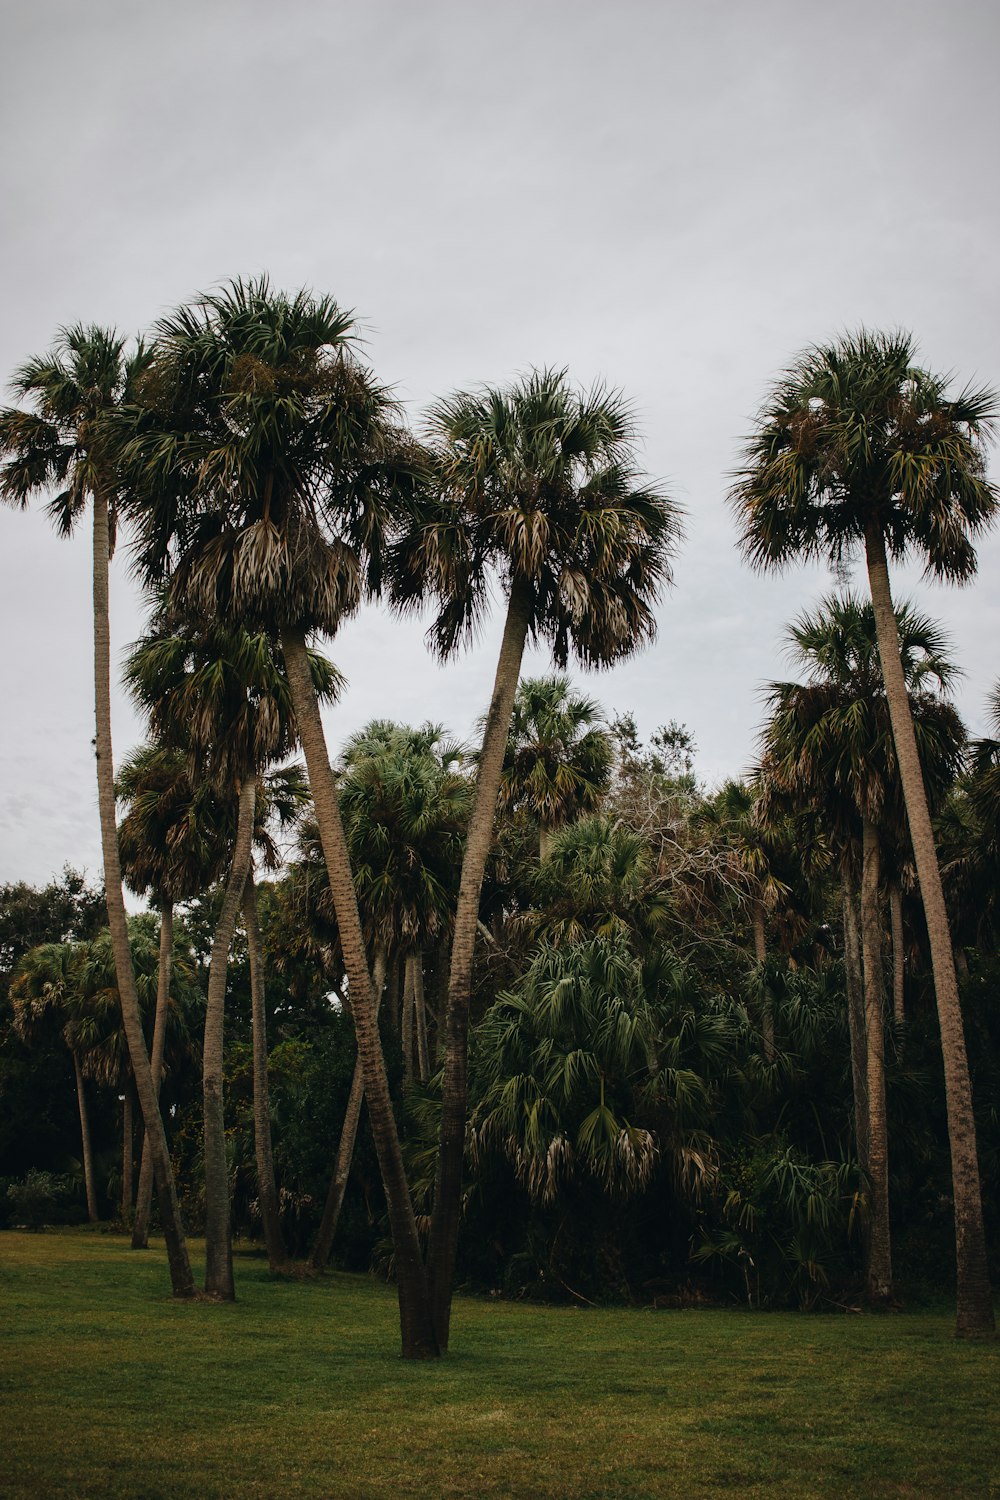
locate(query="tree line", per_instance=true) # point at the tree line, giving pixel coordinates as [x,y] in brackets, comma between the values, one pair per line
[266,484]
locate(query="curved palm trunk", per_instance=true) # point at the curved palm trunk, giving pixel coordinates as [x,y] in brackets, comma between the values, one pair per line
[879,1268]
[854,975]
[348,1135]
[181,1279]
[218,1228]
[416,1324]
[144,1193]
[974,1300]
[443,1246]
[88,1155]
[267,1192]
[898,953]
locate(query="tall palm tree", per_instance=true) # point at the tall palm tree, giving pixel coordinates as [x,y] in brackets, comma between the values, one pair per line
[172,849]
[271,466]
[858,447]
[219,692]
[537,490]
[65,443]
[829,745]
[558,761]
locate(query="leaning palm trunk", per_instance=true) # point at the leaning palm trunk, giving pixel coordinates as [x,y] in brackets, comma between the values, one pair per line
[974,1300]
[88,1155]
[853,971]
[181,1278]
[416,1324]
[348,1135]
[879,1267]
[144,1193]
[218,1230]
[443,1245]
[898,954]
[267,1193]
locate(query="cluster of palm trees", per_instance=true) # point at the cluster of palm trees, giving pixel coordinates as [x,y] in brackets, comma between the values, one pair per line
[267,484]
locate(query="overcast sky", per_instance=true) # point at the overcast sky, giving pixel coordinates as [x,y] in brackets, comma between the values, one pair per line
[674,197]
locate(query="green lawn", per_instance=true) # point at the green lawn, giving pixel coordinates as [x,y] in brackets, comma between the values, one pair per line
[110,1389]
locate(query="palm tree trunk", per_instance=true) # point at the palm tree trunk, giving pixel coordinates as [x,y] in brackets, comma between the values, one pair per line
[416,1323]
[407,1028]
[218,1226]
[348,1135]
[420,1017]
[88,1155]
[544,843]
[144,1195]
[974,1299]
[181,1279]
[898,953]
[128,1137]
[879,1269]
[267,1192]
[760,953]
[443,1247]
[854,974]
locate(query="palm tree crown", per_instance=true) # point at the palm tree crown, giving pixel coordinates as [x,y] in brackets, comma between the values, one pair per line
[268,459]
[855,435]
[537,483]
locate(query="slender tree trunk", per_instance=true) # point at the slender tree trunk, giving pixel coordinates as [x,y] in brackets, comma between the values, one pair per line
[267,1192]
[348,1136]
[854,974]
[879,1270]
[898,953]
[218,1215]
[88,1155]
[144,1195]
[416,1323]
[181,1279]
[407,1027]
[544,843]
[420,1017]
[443,1246]
[128,1141]
[393,998]
[760,953]
[974,1299]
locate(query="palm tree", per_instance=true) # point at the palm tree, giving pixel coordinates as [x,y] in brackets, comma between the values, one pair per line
[218,691]
[65,443]
[172,848]
[558,761]
[271,466]
[537,488]
[829,746]
[858,446]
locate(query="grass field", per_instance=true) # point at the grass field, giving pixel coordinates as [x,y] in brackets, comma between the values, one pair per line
[110,1389]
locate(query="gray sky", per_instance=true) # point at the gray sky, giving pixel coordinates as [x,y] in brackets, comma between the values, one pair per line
[675,197]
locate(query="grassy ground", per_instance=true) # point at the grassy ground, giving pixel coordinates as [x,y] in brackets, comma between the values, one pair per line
[110,1389]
